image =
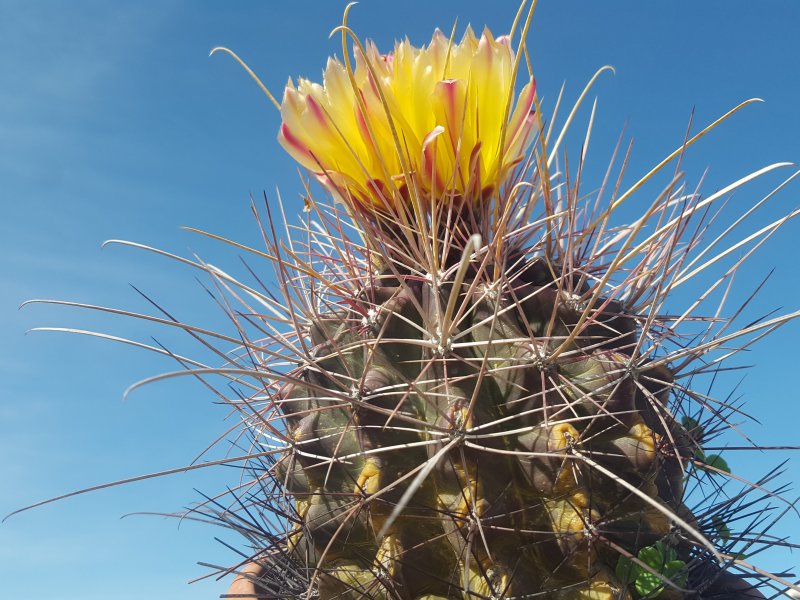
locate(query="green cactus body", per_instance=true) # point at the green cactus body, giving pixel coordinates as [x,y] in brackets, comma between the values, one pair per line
[430,468]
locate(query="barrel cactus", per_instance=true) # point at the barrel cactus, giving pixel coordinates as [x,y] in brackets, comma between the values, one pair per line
[465,383]
[478,392]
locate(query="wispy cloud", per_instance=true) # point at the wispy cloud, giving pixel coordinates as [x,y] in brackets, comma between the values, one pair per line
[56,68]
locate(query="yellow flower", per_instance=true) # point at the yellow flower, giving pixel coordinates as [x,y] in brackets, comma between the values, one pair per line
[424,122]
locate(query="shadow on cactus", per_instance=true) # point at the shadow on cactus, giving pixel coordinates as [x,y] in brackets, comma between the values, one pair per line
[466,384]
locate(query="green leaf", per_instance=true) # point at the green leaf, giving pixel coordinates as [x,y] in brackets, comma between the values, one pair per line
[675,571]
[666,552]
[689,423]
[662,559]
[692,425]
[716,461]
[627,570]
[648,585]
[652,557]
[723,531]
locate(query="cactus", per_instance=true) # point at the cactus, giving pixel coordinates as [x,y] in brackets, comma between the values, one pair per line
[467,384]
[480,394]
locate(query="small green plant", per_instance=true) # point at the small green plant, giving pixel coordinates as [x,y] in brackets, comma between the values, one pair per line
[657,566]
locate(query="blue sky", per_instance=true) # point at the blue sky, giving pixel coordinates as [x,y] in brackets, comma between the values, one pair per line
[115,123]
